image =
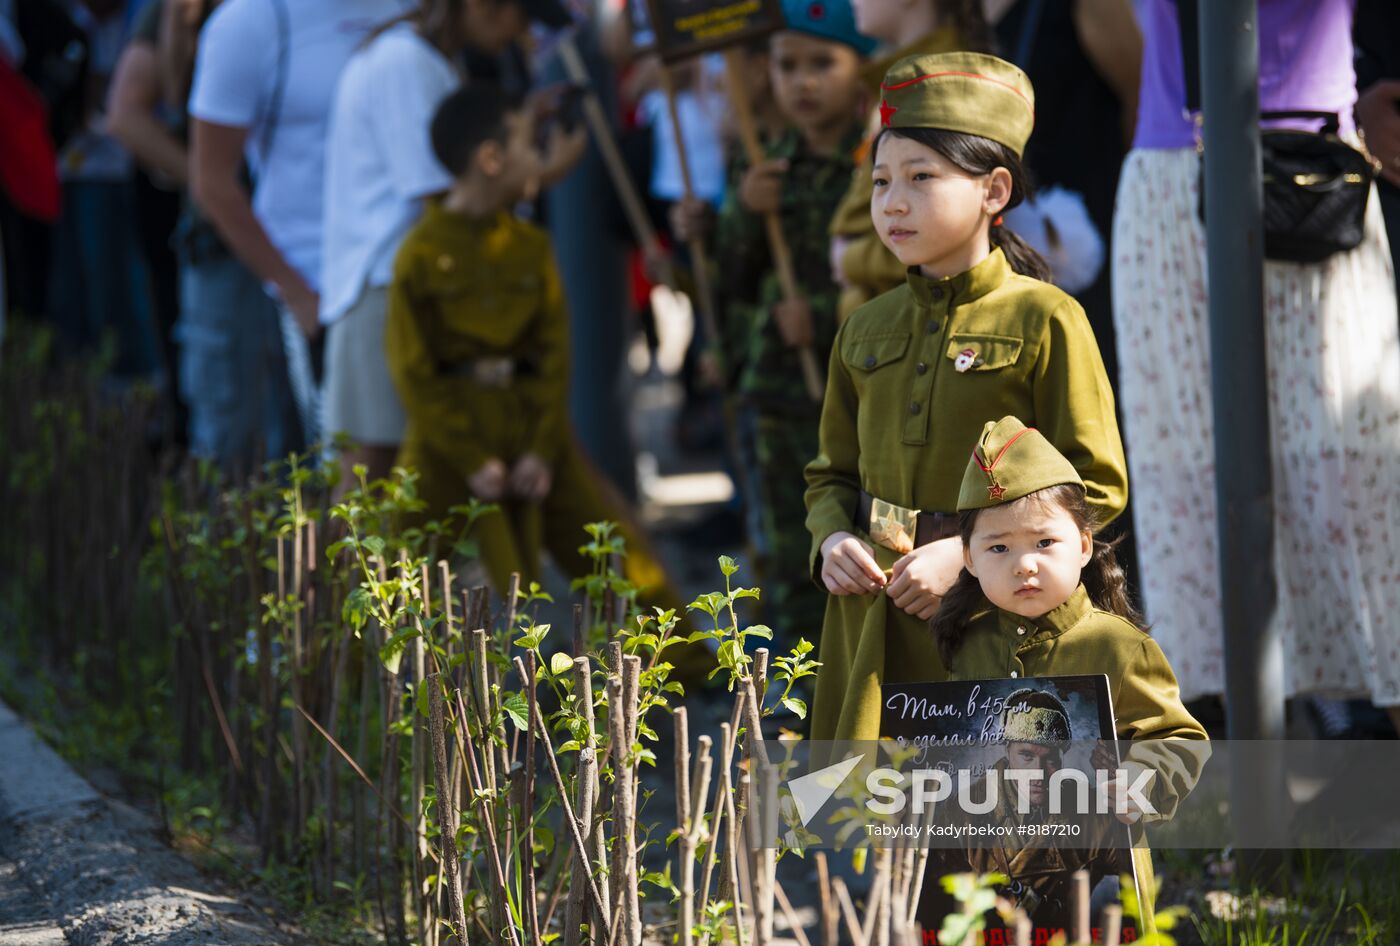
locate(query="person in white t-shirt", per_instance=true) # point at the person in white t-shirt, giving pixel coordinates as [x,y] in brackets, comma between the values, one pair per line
[264,81]
[380,167]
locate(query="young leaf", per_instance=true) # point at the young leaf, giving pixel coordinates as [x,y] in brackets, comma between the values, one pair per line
[518,710]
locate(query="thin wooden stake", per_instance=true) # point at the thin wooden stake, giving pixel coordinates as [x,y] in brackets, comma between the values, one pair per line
[447,811]
[830,912]
[1081,903]
[580,849]
[1112,925]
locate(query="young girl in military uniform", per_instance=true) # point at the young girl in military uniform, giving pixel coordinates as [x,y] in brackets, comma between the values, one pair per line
[1038,596]
[970,337]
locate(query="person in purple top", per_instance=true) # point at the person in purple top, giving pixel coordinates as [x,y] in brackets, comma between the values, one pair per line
[1334,374]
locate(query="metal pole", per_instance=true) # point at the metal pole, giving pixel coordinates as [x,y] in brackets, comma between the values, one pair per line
[1254,687]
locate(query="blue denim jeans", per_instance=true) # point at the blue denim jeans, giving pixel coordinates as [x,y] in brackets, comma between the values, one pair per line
[233,374]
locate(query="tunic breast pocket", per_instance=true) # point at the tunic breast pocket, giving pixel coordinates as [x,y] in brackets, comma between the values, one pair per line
[872,352]
[978,353]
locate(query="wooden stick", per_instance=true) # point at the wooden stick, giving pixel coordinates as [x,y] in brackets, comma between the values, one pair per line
[419,789]
[794,924]
[699,259]
[1081,906]
[879,892]
[777,242]
[580,849]
[683,825]
[594,832]
[726,741]
[632,204]
[830,912]
[848,912]
[531,907]
[447,813]
[1112,925]
[1024,928]
[474,777]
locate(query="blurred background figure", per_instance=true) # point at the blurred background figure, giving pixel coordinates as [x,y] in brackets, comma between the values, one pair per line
[1333,361]
[265,76]
[230,369]
[380,168]
[1083,57]
[1377,35]
[98,286]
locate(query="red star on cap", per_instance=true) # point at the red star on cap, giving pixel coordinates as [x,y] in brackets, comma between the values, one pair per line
[995,492]
[886,112]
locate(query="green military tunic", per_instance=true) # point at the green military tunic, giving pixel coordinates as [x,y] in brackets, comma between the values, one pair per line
[470,291]
[900,421]
[765,374]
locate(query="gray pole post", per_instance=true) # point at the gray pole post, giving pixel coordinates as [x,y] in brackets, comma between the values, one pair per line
[1254,687]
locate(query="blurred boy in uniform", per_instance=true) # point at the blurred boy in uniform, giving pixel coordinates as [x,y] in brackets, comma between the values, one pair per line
[477,344]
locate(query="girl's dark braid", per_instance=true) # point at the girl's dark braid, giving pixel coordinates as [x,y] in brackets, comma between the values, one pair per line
[955,613]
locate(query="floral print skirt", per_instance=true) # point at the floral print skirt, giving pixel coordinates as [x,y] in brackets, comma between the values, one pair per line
[1334,389]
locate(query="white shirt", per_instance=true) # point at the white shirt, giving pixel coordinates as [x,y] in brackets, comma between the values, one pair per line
[380,162]
[235,81]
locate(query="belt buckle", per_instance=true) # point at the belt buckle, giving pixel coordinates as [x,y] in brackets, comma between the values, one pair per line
[493,372]
[893,526]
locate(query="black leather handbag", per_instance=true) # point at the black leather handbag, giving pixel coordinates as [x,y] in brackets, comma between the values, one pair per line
[1316,186]
[1315,190]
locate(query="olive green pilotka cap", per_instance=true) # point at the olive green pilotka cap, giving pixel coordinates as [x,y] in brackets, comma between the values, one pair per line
[972,93]
[1035,716]
[1011,460]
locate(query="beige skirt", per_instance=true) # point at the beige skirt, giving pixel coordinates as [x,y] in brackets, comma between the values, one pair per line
[359,398]
[1334,394]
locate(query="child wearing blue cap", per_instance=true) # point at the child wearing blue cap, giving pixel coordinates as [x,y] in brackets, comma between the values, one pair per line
[814,70]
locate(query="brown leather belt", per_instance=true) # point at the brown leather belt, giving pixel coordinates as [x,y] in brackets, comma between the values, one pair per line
[900,529]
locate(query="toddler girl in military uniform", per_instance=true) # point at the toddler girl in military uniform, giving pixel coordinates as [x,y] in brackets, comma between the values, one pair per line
[1038,596]
[972,335]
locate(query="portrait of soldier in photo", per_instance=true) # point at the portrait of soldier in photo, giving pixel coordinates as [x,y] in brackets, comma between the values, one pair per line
[1037,844]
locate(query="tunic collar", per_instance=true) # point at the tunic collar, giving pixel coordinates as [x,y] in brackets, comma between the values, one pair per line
[964,287]
[1051,624]
[436,217]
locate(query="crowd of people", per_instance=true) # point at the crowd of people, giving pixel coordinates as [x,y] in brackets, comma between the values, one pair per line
[317,220]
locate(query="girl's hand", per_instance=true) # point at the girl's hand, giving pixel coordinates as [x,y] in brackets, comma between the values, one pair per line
[761,190]
[489,482]
[838,247]
[1125,808]
[794,320]
[531,478]
[849,566]
[921,578]
[690,219]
